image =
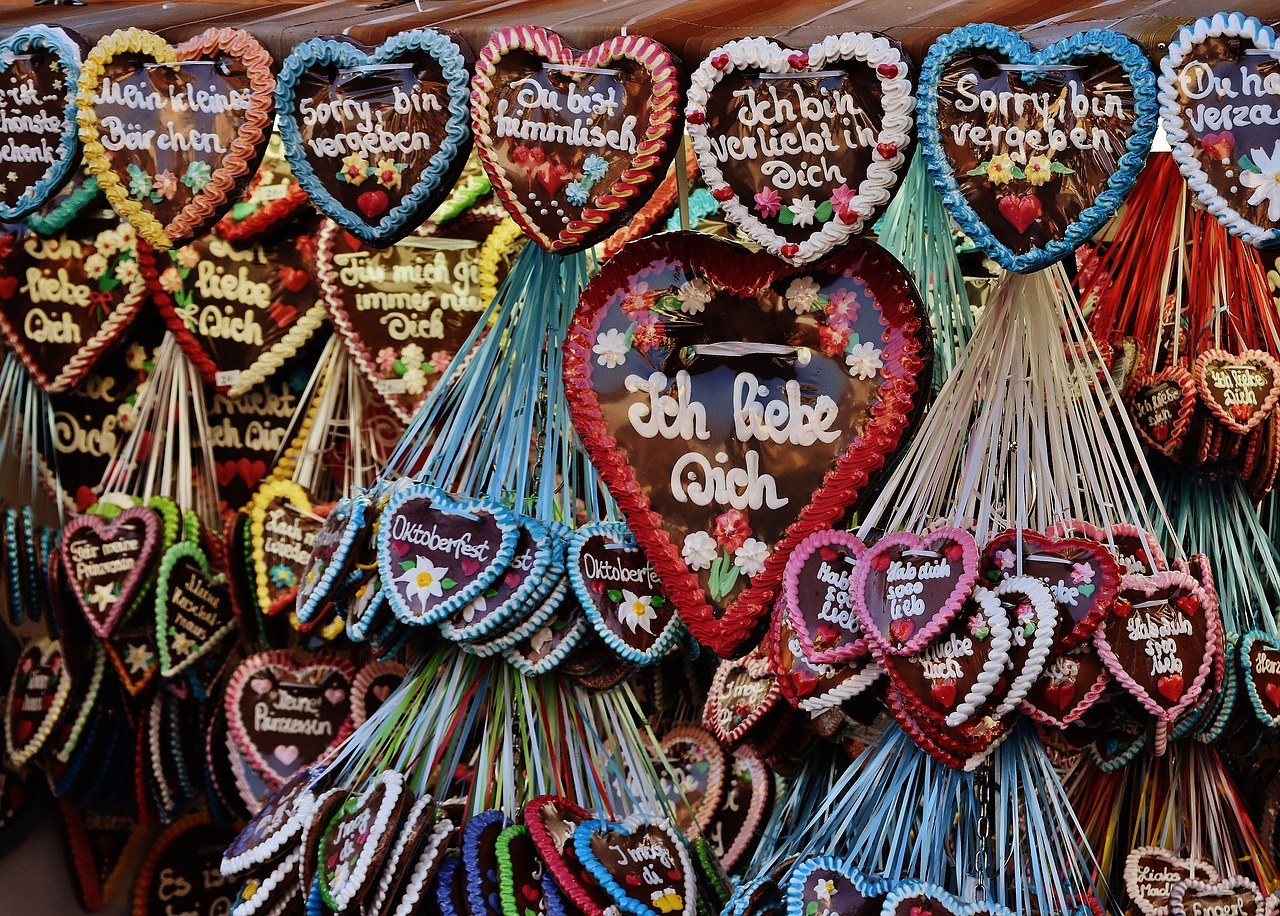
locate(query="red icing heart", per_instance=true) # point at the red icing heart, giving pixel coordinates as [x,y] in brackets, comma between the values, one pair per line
[1219,145]
[634,110]
[944,693]
[225,471]
[740,297]
[1273,694]
[1021,210]
[373,203]
[1170,686]
[251,472]
[293,279]
[799,60]
[901,630]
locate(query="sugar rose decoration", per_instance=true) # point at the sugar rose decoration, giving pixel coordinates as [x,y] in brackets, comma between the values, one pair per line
[573,142]
[1220,104]
[1034,151]
[801,147]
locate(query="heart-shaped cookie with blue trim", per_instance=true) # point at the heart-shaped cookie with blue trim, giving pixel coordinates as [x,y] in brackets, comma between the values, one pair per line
[39,68]
[377,137]
[834,885]
[641,863]
[1033,151]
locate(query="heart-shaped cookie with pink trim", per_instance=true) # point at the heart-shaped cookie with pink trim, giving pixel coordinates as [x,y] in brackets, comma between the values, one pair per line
[743,692]
[907,587]
[285,710]
[574,142]
[802,147]
[735,404]
[174,135]
[107,563]
[1161,405]
[1161,641]
[809,685]
[66,299]
[1239,390]
[1068,687]
[818,595]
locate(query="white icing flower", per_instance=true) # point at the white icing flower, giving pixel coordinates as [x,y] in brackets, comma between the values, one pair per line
[823,889]
[611,348]
[802,293]
[637,611]
[422,581]
[540,640]
[699,550]
[802,210]
[103,596]
[1266,183]
[95,266]
[750,556]
[127,271]
[694,296]
[415,381]
[412,355]
[864,360]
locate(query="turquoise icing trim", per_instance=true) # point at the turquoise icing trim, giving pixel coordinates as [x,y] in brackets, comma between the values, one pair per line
[354,508]
[801,871]
[532,589]
[455,143]
[1009,44]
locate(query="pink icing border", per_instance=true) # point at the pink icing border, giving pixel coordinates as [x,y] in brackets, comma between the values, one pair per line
[942,616]
[1075,527]
[711,709]
[133,582]
[791,598]
[1263,410]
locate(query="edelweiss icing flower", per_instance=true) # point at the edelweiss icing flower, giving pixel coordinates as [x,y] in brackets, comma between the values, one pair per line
[423,580]
[1265,182]
[636,611]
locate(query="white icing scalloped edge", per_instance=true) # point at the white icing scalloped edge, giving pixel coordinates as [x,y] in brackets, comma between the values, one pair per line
[304,806]
[418,879]
[846,691]
[1235,25]
[1046,622]
[407,833]
[998,656]
[882,174]
[394,783]
[281,871]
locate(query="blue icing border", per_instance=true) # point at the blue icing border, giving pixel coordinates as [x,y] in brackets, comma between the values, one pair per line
[1251,689]
[528,591]
[1010,44]
[355,507]
[45,38]
[582,846]
[801,871]
[456,142]
[1213,729]
[913,887]
[471,860]
[502,516]
[621,534]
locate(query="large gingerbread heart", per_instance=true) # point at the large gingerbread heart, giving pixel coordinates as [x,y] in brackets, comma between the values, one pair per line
[1218,93]
[377,137]
[801,147]
[238,311]
[193,608]
[835,886]
[282,532]
[107,563]
[641,863]
[1234,895]
[573,142]
[1151,872]
[1161,641]
[39,68]
[1033,151]
[735,404]
[174,135]
[552,822]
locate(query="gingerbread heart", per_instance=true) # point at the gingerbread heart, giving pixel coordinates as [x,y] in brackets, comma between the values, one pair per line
[1260,663]
[695,790]
[1215,77]
[377,136]
[536,562]
[1068,687]
[641,863]
[1161,641]
[735,404]
[282,532]
[250,431]
[406,312]
[1161,405]
[181,869]
[174,135]
[371,688]
[574,142]
[818,595]
[813,686]
[1151,872]
[285,711]
[834,885]
[1082,576]
[268,834]
[357,839]
[333,554]
[437,552]
[39,68]
[1033,151]
[743,692]
[37,697]
[108,563]
[274,196]
[480,862]
[919,898]
[520,873]
[1240,390]
[907,587]
[193,608]
[1234,895]
[621,593]
[238,311]
[552,822]
[801,148]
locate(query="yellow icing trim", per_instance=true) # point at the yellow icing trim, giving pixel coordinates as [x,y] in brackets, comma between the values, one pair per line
[257,511]
[282,350]
[121,41]
[499,240]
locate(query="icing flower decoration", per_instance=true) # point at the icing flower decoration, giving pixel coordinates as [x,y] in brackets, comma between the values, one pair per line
[171,280]
[107,243]
[415,381]
[803,210]
[750,556]
[979,627]
[637,299]
[198,175]
[699,550]
[1005,559]
[694,295]
[864,360]
[768,202]
[127,271]
[386,359]
[128,237]
[595,167]
[187,257]
[182,643]
[412,355]
[646,331]
[636,611]
[388,173]
[1002,169]
[732,529]
[103,596]
[166,184]
[1265,182]
[282,576]
[1039,170]
[135,357]
[1081,573]
[611,348]
[576,193]
[354,169]
[140,183]
[823,889]
[842,203]
[95,266]
[440,360]
[540,640]
[832,340]
[802,293]
[667,901]
[841,308]
[471,607]
[423,580]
